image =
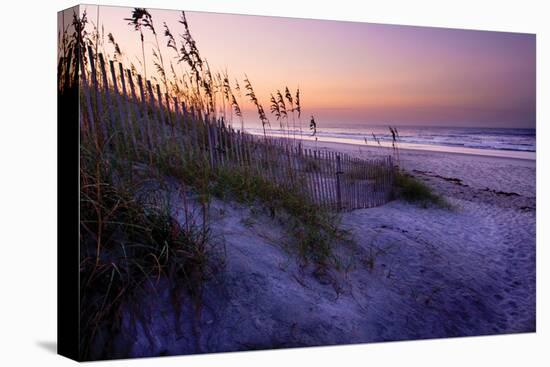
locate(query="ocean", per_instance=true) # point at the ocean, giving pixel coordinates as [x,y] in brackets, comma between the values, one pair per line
[458,139]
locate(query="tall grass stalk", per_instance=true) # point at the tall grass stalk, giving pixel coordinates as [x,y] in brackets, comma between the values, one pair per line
[288,97]
[139,20]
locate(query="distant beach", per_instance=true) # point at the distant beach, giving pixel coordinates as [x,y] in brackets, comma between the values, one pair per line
[495,142]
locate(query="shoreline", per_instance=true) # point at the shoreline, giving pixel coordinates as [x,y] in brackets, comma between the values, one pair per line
[506,154]
[475,172]
[359,151]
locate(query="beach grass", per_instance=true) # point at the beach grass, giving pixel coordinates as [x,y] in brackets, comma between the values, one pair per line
[412,189]
[130,238]
[314,230]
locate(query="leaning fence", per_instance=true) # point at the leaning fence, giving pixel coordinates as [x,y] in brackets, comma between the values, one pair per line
[122,110]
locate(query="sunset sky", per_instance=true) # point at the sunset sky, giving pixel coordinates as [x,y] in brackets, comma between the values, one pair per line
[358,73]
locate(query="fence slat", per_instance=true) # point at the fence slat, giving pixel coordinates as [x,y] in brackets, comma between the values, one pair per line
[107,92]
[89,108]
[323,178]
[144,123]
[168,110]
[194,133]
[154,122]
[134,104]
[211,144]
[119,105]
[328,179]
[347,181]
[338,182]
[318,177]
[97,95]
[162,121]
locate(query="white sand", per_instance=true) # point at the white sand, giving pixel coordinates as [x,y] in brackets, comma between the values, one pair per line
[479,258]
[413,273]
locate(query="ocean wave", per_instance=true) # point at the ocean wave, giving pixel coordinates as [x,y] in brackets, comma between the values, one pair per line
[477,138]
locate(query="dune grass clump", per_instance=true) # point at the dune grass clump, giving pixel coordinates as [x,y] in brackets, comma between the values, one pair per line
[411,189]
[313,229]
[130,239]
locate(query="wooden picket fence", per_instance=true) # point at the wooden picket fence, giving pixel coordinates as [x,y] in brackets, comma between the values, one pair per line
[120,110]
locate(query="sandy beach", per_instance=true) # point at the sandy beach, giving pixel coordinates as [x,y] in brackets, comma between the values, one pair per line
[412,272]
[478,256]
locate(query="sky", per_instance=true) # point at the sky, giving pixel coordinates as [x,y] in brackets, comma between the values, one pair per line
[358,74]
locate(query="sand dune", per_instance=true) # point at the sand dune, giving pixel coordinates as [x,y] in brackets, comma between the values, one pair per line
[411,273]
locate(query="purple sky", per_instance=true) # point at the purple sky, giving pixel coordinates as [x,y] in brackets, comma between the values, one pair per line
[361,73]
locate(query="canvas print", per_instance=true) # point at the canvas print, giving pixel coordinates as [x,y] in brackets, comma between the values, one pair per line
[251,182]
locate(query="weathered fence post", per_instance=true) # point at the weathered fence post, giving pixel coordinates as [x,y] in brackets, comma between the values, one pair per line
[144,125]
[98,104]
[92,126]
[118,103]
[338,189]
[105,82]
